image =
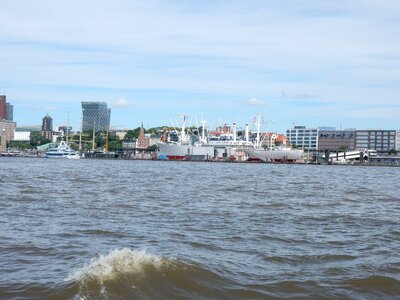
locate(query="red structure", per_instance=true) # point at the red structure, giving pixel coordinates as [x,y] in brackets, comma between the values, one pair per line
[2,107]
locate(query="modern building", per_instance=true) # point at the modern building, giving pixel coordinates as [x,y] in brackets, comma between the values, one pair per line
[336,140]
[96,115]
[9,112]
[303,137]
[379,140]
[47,127]
[2,107]
[397,148]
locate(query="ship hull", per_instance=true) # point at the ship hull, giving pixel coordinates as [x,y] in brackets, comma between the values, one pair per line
[277,155]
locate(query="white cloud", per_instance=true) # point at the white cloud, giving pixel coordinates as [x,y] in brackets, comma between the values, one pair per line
[255,102]
[122,103]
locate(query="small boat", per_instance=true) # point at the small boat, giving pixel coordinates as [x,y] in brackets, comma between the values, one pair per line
[62,150]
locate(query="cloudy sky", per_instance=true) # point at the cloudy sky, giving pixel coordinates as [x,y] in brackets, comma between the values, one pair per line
[315,63]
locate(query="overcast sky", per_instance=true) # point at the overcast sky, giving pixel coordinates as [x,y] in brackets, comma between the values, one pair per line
[315,63]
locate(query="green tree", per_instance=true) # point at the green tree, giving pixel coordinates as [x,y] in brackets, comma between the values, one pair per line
[152,147]
[37,139]
[392,152]
[19,145]
[114,145]
[132,134]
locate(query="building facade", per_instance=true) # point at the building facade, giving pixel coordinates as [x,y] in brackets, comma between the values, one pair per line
[96,115]
[47,127]
[6,133]
[22,136]
[303,137]
[336,140]
[397,140]
[2,107]
[9,112]
[379,140]
[6,109]
[143,141]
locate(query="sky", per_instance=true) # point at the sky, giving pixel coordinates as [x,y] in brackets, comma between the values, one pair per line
[300,62]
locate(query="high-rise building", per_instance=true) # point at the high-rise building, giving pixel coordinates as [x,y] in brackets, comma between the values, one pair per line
[2,107]
[96,115]
[47,127]
[9,112]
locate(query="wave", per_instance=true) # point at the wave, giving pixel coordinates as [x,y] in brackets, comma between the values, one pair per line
[128,274]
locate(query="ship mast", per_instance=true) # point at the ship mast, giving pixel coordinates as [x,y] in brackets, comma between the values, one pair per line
[234,132]
[94,133]
[247,133]
[203,134]
[80,136]
[258,124]
[107,139]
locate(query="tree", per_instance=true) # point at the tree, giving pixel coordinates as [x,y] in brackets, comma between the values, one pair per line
[132,134]
[22,145]
[152,147]
[37,139]
[114,145]
[392,152]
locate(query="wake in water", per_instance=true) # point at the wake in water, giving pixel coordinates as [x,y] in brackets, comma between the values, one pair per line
[138,275]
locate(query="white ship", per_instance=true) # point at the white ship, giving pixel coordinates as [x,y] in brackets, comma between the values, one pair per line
[277,155]
[62,150]
[223,145]
[180,147]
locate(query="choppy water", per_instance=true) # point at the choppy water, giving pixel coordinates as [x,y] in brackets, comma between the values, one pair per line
[94,229]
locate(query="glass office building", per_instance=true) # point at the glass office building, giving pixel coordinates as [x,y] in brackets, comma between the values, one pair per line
[95,115]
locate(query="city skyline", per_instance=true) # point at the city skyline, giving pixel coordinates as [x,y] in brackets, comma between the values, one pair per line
[304,63]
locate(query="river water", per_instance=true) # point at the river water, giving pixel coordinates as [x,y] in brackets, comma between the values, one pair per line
[97,229]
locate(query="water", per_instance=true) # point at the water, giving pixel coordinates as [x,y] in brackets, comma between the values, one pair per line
[95,229]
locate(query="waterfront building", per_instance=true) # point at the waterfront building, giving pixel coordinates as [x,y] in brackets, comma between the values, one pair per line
[2,107]
[120,134]
[336,140]
[9,112]
[6,109]
[397,147]
[375,139]
[7,129]
[142,142]
[303,137]
[22,136]
[96,115]
[271,140]
[47,127]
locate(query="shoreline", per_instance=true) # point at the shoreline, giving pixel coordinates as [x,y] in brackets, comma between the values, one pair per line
[216,161]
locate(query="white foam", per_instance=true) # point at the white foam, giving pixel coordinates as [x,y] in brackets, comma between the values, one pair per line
[118,261]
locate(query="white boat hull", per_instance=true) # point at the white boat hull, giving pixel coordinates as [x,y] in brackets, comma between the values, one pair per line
[279,155]
[178,152]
